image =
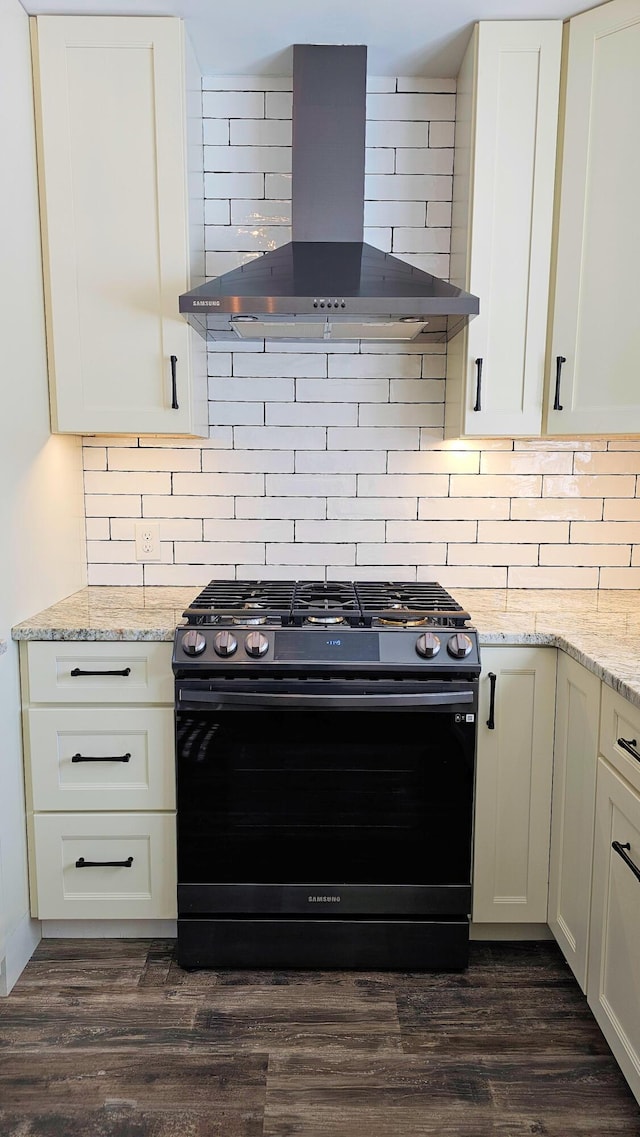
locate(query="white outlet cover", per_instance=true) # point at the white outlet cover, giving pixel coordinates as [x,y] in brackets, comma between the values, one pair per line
[147,535]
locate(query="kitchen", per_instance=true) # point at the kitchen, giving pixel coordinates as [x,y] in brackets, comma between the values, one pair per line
[319,463]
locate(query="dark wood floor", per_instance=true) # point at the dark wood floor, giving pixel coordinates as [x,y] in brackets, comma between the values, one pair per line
[109,1038]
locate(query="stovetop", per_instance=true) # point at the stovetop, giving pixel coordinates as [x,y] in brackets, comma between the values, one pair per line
[359,604]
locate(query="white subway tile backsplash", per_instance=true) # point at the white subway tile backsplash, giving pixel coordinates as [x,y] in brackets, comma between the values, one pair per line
[311,414]
[276,364]
[234,104]
[216,131]
[247,159]
[420,161]
[407,187]
[412,107]
[259,132]
[328,460]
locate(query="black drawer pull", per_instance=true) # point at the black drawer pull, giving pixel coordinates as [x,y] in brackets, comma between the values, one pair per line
[478,403]
[557,405]
[174,383]
[620,850]
[82,864]
[491,721]
[86,758]
[78,671]
[630,744]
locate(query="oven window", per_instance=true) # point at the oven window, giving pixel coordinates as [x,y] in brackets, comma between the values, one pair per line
[303,796]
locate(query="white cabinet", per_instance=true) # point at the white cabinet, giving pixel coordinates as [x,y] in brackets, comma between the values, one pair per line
[596,330]
[111,112]
[100,779]
[613,988]
[505,146]
[513,785]
[572,811]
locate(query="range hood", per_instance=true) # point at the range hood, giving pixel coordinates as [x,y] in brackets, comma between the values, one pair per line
[327,284]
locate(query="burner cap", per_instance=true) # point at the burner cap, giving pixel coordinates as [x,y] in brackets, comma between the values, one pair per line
[320,618]
[251,605]
[404,616]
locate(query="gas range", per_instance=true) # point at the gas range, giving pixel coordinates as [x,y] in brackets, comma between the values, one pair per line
[294,625]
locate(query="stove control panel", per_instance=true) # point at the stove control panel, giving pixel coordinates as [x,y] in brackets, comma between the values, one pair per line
[449,650]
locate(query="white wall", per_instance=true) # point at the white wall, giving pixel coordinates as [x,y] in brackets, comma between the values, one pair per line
[42,556]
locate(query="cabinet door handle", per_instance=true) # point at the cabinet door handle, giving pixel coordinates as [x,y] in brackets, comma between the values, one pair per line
[174,383]
[630,744]
[491,721]
[82,864]
[557,405]
[78,671]
[86,758]
[620,850]
[478,403]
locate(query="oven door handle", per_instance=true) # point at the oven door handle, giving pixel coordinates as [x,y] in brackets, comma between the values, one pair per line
[271,699]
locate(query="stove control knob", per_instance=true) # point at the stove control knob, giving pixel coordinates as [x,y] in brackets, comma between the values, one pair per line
[428,645]
[193,642]
[459,646]
[256,644]
[225,644]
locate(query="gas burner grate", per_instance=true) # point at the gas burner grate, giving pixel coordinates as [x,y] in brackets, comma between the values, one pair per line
[409,604]
[250,601]
[325,603]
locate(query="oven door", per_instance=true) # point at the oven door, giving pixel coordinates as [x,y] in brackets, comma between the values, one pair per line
[325,797]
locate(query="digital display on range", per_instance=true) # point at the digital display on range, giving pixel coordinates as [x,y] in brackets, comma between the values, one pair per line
[359,647]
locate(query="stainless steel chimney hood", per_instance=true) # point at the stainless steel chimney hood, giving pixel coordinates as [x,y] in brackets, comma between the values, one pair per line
[327,284]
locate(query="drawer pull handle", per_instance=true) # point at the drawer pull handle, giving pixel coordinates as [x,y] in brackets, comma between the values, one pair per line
[477,406]
[630,744]
[491,721]
[82,864]
[78,671]
[174,383]
[620,850]
[557,405]
[100,758]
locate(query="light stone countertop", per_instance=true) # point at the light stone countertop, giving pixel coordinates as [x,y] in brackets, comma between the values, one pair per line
[3,646]
[601,630]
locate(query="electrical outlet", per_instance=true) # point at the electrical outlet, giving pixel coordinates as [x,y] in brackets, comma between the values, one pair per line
[147,541]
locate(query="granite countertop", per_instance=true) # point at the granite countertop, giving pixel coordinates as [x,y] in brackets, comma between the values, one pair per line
[3,646]
[601,630]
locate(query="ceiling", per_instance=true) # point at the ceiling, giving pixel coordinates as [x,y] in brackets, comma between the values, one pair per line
[254,37]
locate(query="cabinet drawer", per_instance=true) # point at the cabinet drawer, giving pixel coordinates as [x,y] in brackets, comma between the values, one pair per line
[145,888]
[614,958]
[97,758]
[620,735]
[128,672]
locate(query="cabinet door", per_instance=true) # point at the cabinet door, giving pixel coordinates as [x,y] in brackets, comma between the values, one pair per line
[502,220]
[513,786]
[572,811]
[110,102]
[613,989]
[595,319]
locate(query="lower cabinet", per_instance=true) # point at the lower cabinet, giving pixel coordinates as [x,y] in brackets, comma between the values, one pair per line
[100,780]
[613,989]
[572,811]
[513,785]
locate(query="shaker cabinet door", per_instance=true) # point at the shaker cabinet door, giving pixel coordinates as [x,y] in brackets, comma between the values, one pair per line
[112,153]
[506,124]
[513,785]
[595,352]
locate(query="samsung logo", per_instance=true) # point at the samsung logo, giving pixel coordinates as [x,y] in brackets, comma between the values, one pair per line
[206,303]
[324,899]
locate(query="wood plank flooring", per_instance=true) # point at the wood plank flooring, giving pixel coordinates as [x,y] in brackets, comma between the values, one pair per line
[110,1038]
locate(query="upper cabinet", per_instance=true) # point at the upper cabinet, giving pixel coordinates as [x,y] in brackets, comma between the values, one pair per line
[595,341]
[116,100]
[505,152]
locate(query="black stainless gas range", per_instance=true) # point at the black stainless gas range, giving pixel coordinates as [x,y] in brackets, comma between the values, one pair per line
[325,769]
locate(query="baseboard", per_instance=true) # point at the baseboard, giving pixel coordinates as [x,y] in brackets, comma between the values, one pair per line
[108,929]
[509,932]
[18,949]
